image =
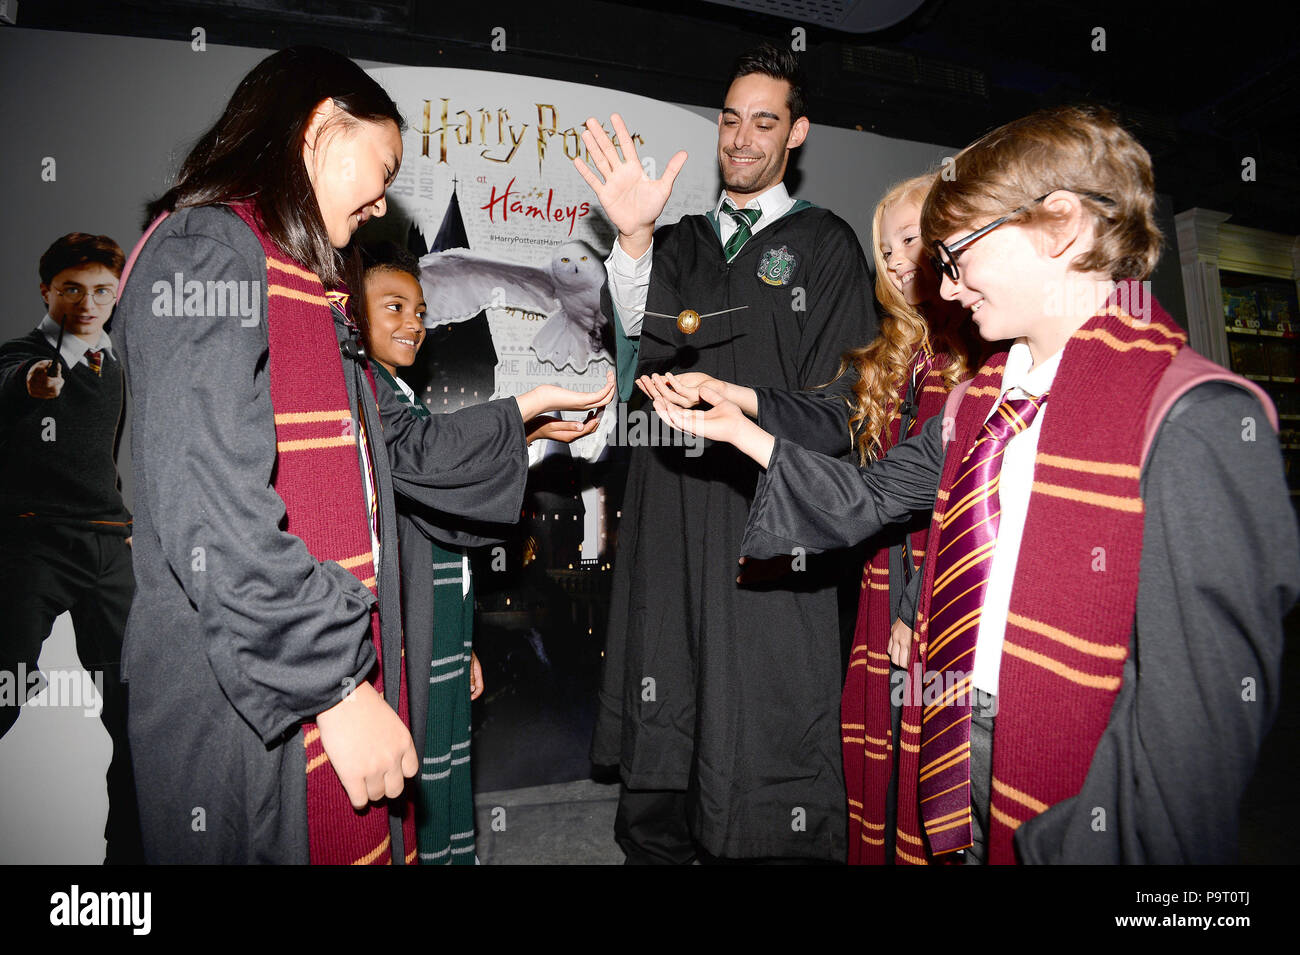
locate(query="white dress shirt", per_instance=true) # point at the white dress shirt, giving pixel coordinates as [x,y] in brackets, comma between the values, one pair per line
[1014,485]
[629,278]
[406,389]
[73,349]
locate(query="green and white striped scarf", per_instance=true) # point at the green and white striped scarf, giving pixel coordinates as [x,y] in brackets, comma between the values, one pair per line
[445,803]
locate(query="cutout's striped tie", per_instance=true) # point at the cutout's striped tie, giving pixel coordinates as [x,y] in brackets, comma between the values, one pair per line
[745,219]
[96,360]
[968,536]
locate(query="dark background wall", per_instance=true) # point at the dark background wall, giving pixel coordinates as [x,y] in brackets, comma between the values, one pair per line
[1203,83]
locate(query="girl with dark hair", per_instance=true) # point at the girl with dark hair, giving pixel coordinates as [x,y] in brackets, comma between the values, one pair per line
[269,717]
[437,592]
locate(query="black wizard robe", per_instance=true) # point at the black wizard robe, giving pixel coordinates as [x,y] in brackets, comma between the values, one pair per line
[731,691]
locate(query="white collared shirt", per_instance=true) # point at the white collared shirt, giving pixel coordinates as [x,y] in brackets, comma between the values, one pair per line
[73,348]
[1014,486]
[629,278]
[406,389]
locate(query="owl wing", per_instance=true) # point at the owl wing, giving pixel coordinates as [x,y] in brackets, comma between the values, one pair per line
[458,284]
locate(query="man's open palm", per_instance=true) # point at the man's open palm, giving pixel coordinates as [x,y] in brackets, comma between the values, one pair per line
[630,198]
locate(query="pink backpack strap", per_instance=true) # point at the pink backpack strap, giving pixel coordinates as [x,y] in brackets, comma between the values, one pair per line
[1185,372]
[950,409]
[135,253]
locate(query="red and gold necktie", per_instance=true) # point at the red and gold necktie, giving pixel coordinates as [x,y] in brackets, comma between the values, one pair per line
[968,537]
[96,360]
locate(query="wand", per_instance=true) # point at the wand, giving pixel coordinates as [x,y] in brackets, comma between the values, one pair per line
[58,348]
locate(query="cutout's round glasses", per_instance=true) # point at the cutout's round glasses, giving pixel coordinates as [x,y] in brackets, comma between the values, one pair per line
[75,293]
[944,258]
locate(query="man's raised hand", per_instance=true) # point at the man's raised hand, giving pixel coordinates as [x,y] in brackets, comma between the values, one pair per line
[630,198]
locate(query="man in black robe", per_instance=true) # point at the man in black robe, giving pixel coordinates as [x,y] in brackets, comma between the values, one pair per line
[720,698]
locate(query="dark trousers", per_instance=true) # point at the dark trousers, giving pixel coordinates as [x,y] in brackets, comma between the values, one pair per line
[981,781]
[45,570]
[651,828]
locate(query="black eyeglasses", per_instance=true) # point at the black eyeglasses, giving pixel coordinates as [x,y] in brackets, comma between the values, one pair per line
[944,259]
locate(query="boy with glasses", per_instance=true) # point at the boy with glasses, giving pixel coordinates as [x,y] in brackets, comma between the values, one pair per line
[1112,550]
[64,529]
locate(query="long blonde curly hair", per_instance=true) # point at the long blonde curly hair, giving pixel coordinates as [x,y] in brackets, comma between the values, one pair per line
[884,365]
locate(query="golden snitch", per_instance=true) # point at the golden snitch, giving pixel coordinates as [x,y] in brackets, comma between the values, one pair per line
[688,320]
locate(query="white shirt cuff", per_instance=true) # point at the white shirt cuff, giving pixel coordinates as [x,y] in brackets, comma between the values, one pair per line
[629,285]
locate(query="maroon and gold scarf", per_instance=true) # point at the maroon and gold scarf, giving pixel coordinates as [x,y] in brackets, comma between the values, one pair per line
[865,722]
[318,475]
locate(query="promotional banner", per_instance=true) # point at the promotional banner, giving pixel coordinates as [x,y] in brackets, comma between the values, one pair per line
[488,165]
[512,245]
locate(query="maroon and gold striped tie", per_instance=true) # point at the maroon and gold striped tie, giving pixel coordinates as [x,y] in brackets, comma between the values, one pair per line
[968,536]
[96,360]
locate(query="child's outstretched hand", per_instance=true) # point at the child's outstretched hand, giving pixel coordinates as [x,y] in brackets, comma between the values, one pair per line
[722,422]
[557,429]
[545,398]
[725,421]
[682,390]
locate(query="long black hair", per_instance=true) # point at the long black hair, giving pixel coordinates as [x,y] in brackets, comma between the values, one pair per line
[254,151]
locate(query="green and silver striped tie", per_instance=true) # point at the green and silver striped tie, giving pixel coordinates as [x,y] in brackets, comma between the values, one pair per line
[745,219]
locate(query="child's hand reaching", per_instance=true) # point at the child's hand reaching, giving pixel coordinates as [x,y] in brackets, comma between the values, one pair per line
[682,390]
[725,421]
[722,422]
[552,428]
[545,398]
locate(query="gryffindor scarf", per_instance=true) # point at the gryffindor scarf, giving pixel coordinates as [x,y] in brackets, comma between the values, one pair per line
[1068,625]
[318,475]
[865,723]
